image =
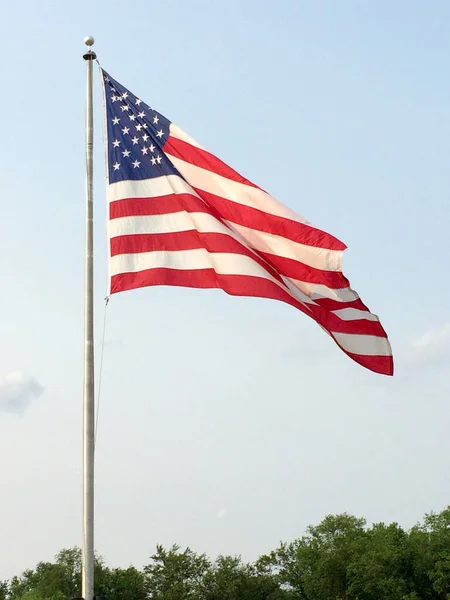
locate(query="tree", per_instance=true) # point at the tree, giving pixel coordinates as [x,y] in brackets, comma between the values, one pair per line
[121,584]
[54,581]
[175,575]
[339,559]
[314,567]
[45,581]
[4,589]
[430,547]
[381,568]
[231,579]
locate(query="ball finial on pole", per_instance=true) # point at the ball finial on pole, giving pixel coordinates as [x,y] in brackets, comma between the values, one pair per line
[90,54]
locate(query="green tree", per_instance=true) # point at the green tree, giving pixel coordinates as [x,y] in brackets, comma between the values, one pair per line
[339,559]
[314,567]
[45,581]
[430,545]
[55,581]
[4,590]
[121,584]
[175,575]
[381,568]
[231,579]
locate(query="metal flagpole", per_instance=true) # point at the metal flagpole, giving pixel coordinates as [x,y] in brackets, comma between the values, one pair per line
[89,390]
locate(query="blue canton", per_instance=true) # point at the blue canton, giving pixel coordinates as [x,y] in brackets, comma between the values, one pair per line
[136,135]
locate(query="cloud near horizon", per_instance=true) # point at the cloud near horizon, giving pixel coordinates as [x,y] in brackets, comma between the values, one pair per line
[433,345]
[18,391]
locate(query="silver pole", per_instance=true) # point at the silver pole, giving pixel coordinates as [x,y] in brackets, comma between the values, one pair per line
[89,389]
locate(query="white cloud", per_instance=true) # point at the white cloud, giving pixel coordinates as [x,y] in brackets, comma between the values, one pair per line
[433,345]
[222,513]
[17,392]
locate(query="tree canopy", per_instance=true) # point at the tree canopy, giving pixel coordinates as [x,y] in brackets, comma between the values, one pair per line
[340,559]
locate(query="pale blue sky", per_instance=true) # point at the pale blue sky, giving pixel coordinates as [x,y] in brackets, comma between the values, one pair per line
[227,423]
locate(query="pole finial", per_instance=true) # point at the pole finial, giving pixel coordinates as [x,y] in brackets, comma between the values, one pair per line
[90,54]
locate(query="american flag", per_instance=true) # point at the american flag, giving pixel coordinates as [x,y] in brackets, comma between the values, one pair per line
[180,216]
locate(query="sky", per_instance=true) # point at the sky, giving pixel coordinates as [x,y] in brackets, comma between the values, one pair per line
[226,424]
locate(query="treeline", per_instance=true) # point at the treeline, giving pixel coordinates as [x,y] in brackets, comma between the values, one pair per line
[339,559]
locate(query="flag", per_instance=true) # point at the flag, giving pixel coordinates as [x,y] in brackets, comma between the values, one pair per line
[180,216]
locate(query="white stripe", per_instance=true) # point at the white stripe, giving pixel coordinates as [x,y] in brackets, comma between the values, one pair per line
[176,132]
[204,222]
[296,292]
[168,223]
[234,191]
[351,314]
[327,260]
[303,291]
[317,291]
[182,221]
[232,264]
[226,188]
[223,263]
[365,345]
[318,258]
[149,188]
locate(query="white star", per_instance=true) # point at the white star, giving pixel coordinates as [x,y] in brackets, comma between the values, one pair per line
[144,150]
[124,95]
[138,127]
[145,137]
[136,164]
[135,140]
[115,121]
[116,143]
[106,78]
[138,101]
[153,161]
[126,107]
[141,114]
[125,130]
[114,98]
[160,133]
[151,148]
[113,89]
[155,120]
[116,166]
[158,159]
[126,153]
[132,117]
[145,125]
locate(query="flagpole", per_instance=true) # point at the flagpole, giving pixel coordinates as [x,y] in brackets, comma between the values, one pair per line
[89,389]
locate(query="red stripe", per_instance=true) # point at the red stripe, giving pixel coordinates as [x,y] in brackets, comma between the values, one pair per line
[160,205]
[297,270]
[204,159]
[274,265]
[379,364]
[181,240]
[330,304]
[228,211]
[185,240]
[221,242]
[213,243]
[236,285]
[254,218]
